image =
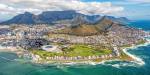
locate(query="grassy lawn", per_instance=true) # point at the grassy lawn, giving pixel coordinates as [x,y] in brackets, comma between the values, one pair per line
[84,50]
[45,54]
[74,50]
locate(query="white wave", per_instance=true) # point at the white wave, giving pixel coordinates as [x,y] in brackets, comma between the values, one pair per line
[124,64]
[116,65]
[137,59]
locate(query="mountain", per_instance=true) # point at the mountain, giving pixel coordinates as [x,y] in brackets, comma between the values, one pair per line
[26,18]
[50,17]
[84,29]
[123,20]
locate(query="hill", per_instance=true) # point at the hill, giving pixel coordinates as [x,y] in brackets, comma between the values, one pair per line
[85,29]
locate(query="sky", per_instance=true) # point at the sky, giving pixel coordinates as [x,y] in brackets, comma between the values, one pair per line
[132,9]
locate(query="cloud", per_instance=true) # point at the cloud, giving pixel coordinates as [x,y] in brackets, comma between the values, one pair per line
[37,6]
[140,1]
[5,9]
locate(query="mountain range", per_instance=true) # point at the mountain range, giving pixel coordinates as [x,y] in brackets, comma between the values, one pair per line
[51,17]
[88,29]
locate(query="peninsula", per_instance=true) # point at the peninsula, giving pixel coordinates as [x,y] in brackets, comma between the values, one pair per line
[77,41]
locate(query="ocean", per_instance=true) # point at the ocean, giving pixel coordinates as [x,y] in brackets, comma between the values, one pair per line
[10,64]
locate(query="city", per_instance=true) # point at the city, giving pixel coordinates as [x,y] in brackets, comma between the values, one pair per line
[54,43]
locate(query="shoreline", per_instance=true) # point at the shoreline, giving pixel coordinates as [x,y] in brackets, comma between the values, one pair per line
[136,59]
[6,49]
[125,50]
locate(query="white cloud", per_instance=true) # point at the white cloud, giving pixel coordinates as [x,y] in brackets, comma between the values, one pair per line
[37,6]
[5,9]
[140,1]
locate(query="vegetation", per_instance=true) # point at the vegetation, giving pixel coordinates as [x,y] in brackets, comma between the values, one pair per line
[45,54]
[85,50]
[74,50]
[124,56]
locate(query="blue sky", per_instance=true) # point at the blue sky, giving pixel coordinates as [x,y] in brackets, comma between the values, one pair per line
[132,9]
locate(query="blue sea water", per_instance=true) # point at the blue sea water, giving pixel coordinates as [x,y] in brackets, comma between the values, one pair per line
[9,66]
[143,24]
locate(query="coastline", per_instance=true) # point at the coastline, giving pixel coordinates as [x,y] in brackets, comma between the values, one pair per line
[125,50]
[17,50]
[135,58]
[6,49]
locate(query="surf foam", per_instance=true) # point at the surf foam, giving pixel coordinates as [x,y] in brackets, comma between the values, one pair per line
[137,59]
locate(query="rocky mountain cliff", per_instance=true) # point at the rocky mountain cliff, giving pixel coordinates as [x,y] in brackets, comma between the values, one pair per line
[50,17]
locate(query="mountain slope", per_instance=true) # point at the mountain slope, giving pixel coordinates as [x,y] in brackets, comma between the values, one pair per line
[46,17]
[90,29]
[50,17]
[26,18]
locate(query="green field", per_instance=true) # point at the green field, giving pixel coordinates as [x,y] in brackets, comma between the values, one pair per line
[74,50]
